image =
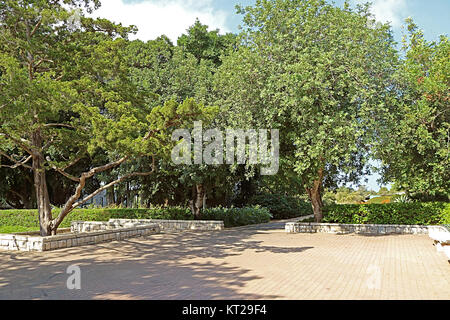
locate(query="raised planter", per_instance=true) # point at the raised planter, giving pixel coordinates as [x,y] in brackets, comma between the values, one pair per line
[377,229]
[93,232]
[27,242]
[175,225]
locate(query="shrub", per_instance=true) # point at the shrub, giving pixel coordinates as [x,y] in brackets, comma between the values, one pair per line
[27,220]
[281,206]
[445,215]
[233,217]
[421,213]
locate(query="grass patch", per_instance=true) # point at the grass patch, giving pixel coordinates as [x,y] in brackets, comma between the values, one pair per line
[16,229]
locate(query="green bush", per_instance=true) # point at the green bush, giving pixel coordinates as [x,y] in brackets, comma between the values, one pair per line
[281,206]
[233,217]
[420,213]
[28,220]
[445,215]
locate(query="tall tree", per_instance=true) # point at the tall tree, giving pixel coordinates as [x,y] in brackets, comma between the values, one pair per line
[316,72]
[65,93]
[178,72]
[414,138]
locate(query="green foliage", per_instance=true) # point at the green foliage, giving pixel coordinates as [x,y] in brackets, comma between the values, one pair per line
[402,198]
[27,220]
[281,206]
[16,229]
[445,216]
[414,129]
[316,72]
[204,44]
[345,195]
[176,73]
[233,217]
[431,213]
[68,93]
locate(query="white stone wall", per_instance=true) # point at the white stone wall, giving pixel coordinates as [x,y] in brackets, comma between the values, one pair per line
[14,242]
[93,232]
[298,227]
[174,225]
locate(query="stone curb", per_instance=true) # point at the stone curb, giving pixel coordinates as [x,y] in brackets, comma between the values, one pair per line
[298,227]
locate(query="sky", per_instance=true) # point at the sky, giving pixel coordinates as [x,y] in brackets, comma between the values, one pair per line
[172,17]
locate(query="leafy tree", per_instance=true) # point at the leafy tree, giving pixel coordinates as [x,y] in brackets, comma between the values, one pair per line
[414,136]
[317,73]
[66,95]
[178,72]
[204,44]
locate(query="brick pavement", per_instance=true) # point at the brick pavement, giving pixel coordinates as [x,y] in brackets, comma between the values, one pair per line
[256,262]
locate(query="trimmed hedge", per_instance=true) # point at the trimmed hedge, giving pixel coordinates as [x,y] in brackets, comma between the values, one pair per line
[420,213]
[27,220]
[281,206]
[233,217]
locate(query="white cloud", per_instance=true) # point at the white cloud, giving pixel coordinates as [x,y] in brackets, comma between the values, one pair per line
[157,17]
[393,11]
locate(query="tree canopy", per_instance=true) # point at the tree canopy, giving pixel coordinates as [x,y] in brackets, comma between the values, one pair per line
[414,136]
[66,93]
[317,72]
[84,110]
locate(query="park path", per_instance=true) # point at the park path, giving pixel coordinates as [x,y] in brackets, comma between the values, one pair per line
[252,262]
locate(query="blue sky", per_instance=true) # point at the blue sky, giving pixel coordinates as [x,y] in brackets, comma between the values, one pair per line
[172,17]
[433,16]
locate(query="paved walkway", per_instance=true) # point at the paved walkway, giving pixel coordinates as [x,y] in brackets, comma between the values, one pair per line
[257,262]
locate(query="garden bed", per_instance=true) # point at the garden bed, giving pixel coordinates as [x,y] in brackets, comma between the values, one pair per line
[34,242]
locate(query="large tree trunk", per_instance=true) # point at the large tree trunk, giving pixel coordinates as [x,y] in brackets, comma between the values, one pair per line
[316,203]
[315,196]
[40,185]
[128,195]
[110,196]
[197,204]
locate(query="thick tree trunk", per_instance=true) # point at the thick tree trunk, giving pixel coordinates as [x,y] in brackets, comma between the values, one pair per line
[197,204]
[316,202]
[40,185]
[110,196]
[315,196]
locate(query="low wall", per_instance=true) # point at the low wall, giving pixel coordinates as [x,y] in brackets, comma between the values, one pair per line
[175,225]
[299,227]
[17,242]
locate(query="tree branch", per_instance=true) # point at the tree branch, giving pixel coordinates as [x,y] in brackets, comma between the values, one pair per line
[134,174]
[73,162]
[71,204]
[18,163]
[20,142]
[65,174]
[36,27]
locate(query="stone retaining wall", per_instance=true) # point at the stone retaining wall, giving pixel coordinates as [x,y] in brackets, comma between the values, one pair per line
[93,232]
[16,242]
[175,225]
[299,227]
